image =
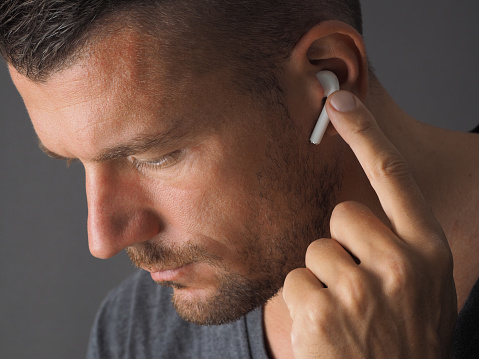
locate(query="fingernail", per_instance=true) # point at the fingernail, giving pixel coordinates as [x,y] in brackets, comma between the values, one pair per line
[343,101]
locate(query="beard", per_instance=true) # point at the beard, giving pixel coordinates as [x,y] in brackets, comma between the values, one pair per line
[291,206]
[231,300]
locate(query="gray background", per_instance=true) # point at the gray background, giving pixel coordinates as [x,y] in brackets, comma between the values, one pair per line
[425,53]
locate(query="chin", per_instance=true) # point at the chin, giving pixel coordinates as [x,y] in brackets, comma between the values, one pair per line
[235,297]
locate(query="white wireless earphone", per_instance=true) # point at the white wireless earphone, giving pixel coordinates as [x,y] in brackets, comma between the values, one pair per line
[330,84]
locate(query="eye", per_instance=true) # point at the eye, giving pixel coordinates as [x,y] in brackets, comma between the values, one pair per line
[158,163]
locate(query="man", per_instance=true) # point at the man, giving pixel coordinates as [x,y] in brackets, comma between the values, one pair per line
[192,120]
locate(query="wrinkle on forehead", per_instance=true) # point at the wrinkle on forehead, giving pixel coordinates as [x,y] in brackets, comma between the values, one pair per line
[108,91]
[119,90]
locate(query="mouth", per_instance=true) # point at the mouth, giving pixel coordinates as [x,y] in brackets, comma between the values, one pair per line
[169,273]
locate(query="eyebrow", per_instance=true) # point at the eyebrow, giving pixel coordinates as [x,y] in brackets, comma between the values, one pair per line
[140,144]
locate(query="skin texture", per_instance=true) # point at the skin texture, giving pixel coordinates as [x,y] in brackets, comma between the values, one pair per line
[226,194]
[233,194]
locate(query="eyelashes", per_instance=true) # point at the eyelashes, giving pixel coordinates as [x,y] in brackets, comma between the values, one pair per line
[158,163]
[152,164]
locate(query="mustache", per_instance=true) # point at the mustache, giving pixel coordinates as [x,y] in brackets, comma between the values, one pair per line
[151,255]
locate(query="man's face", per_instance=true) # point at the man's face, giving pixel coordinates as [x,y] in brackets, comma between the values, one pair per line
[207,189]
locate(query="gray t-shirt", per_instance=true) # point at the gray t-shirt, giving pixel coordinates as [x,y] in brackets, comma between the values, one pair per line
[137,320]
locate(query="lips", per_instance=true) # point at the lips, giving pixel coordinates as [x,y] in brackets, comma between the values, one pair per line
[162,268]
[167,273]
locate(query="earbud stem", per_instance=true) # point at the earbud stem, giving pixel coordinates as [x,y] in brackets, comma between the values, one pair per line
[330,84]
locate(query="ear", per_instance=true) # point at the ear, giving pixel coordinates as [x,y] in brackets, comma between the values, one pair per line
[335,46]
[331,45]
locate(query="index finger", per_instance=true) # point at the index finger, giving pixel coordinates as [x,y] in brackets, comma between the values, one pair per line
[386,169]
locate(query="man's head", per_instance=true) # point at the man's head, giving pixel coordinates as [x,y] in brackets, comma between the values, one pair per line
[192,121]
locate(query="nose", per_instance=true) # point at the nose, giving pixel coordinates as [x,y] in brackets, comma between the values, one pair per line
[119,214]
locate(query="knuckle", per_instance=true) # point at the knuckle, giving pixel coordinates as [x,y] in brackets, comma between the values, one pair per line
[314,314]
[440,252]
[342,214]
[313,324]
[317,314]
[315,246]
[316,249]
[363,126]
[401,273]
[293,278]
[439,256]
[292,286]
[350,215]
[344,209]
[297,338]
[389,165]
[354,291]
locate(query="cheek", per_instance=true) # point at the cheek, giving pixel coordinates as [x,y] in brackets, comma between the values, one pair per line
[212,200]
[213,212]
[217,204]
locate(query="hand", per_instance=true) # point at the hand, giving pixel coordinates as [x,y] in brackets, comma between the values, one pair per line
[374,291]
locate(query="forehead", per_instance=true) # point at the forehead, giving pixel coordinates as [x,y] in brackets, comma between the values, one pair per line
[119,87]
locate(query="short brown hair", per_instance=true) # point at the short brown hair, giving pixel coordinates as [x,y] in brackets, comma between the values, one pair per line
[39,37]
